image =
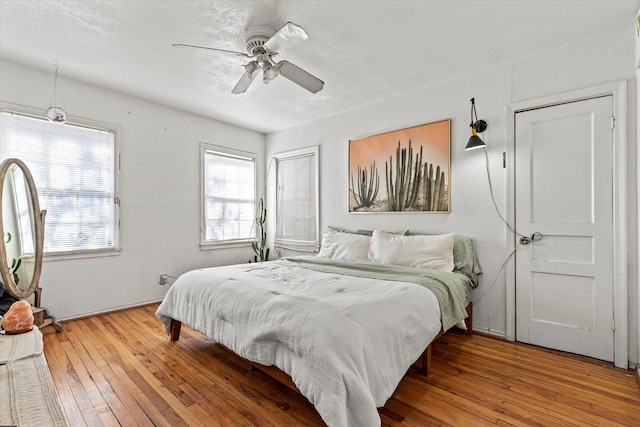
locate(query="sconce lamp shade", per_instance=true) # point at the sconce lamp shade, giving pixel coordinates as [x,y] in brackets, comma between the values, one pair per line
[474,141]
[476,126]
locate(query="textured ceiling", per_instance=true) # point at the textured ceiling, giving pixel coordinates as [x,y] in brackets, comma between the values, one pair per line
[363,50]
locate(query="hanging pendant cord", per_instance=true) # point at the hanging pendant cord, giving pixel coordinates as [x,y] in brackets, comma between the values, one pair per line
[53,102]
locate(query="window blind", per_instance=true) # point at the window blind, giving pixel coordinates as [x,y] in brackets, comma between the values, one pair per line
[296,209]
[229,197]
[73,167]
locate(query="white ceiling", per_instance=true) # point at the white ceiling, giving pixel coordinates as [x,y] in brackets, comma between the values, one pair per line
[363,50]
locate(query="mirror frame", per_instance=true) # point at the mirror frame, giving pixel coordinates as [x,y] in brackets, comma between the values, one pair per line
[38,218]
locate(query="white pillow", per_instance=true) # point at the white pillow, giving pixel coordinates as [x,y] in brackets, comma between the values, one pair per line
[434,251]
[338,245]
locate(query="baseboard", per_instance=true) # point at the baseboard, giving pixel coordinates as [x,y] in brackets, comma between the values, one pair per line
[489,332]
[111,310]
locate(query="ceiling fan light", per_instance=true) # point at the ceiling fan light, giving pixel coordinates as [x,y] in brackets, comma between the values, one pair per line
[269,72]
[251,68]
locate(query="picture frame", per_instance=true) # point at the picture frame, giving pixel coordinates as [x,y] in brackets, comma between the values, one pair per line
[405,170]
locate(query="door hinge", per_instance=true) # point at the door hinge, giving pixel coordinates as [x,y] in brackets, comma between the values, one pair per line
[613,122]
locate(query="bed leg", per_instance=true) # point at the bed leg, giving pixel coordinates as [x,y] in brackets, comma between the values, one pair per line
[469,320]
[426,362]
[174,329]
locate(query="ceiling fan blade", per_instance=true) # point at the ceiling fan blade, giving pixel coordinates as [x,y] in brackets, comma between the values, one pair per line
[300,76]
[289,35]
[244,55]
[246,79]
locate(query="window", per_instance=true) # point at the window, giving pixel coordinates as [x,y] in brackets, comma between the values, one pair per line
[73,167]
[297,199]
[23,207]
[228,194]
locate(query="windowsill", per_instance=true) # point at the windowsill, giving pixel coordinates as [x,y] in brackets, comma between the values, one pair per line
[297,248]
[225,245]
[63,256]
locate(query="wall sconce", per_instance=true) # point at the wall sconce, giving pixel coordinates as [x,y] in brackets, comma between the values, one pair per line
[476,126]
[476,142]
[54,113]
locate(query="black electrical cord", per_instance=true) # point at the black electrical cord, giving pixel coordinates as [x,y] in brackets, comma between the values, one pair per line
[536,236]
[493,199]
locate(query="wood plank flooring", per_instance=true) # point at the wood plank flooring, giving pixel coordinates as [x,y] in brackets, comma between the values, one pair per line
[121,369]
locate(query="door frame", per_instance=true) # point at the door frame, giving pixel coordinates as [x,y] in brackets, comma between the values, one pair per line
[618,90]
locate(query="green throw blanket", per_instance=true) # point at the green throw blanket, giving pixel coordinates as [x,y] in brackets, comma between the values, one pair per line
[452,290]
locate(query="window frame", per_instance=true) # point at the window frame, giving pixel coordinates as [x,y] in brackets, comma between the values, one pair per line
[21,110]
[233,153]
[295,244]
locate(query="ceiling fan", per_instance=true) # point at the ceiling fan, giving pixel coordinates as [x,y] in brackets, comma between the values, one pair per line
[263,44]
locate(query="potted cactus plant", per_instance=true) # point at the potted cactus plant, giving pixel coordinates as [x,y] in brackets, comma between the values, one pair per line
[259,247]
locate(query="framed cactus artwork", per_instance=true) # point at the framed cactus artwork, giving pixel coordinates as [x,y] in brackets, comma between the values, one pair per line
[406,170]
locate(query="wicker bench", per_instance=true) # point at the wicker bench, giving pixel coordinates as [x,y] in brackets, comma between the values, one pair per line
[29,397]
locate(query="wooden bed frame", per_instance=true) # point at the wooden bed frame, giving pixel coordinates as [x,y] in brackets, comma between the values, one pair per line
[282,377]
[425,368]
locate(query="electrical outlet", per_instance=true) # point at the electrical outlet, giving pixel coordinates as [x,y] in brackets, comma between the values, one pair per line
[163,279]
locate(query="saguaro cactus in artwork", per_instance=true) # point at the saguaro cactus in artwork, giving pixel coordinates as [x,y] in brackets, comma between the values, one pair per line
[260,245]
[368,184]
[434,188]
[402,191]
[439,190]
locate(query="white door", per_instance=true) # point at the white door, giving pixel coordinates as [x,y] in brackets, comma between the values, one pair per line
[564,190]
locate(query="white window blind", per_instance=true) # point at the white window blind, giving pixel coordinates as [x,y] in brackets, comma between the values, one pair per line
[297,199]
[73,167]
[229,191]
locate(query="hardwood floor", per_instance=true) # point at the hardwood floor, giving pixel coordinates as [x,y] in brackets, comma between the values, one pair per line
[121,369]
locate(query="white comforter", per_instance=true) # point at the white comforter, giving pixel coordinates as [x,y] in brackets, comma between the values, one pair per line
[345,341]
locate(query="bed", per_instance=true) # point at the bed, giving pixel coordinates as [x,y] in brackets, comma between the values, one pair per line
[345,325]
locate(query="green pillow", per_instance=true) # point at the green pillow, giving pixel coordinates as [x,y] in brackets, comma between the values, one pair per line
[465,258]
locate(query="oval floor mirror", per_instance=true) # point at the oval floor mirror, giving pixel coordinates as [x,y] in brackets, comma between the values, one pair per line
[22,228]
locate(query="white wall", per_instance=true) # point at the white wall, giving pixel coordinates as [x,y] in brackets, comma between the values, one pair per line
[583,63]
[160,194]
[160,172]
